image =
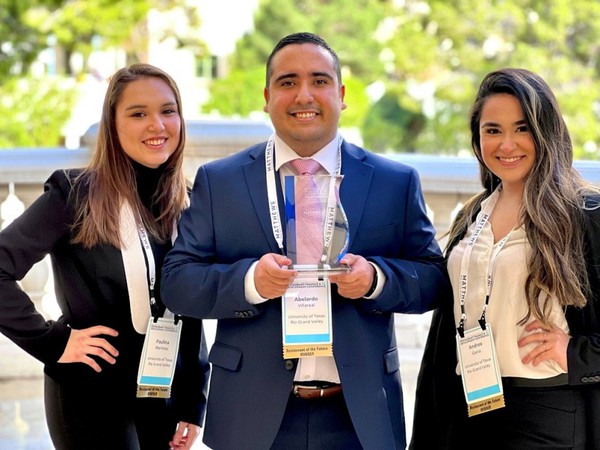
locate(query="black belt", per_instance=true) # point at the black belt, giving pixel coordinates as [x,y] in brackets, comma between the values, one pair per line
[314,392]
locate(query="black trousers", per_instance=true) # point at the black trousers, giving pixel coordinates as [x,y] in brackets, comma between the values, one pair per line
[533,418]
[319,424]
[92,418]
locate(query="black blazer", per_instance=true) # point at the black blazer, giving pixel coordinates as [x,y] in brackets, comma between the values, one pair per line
[440,401]
[91,289]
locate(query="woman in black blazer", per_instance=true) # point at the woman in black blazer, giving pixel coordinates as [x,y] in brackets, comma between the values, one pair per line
[107,228]
[528,247]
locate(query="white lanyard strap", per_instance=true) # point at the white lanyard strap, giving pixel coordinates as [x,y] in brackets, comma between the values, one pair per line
[329,220]
[151,265]
[465,262]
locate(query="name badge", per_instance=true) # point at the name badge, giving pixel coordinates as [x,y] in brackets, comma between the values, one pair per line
[306,319]
[479,370]
[159,358]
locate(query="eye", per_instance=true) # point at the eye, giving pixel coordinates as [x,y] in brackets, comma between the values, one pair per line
[490,130]
[287,83]
[170,111]
[522,129]
[138,114]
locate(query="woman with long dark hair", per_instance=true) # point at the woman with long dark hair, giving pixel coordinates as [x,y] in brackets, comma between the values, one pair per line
[524,261]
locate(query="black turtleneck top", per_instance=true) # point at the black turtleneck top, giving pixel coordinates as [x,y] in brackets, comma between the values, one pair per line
[147,180]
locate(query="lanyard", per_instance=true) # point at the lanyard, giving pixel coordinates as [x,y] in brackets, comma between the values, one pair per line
[329,220]
[272,192]
[151,267]
[466,259]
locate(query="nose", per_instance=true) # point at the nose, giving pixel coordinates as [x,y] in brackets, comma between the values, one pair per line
[156,122]
[508,143]
[304,94]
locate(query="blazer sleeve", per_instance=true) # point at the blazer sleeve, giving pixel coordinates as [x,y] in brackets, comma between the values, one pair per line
[190,385]
[27,240]
[583,352]
[415,272]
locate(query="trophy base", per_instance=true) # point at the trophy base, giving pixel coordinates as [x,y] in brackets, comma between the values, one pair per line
[318,270]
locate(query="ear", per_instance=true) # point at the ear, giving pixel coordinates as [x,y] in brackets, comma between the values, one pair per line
[266,96]
[342,95]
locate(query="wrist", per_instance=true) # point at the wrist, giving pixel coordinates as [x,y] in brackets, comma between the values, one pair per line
[373,285]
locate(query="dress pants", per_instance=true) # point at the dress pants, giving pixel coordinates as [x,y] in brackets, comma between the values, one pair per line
[317,424]
[534,418]
[92,418]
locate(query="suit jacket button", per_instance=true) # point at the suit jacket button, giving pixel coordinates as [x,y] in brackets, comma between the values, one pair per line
[289,364]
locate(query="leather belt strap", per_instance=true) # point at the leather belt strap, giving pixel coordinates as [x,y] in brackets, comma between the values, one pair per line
[314,392]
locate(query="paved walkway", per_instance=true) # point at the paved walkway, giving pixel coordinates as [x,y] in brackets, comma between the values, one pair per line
[22,421]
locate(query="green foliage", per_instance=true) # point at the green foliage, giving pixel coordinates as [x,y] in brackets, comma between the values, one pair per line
[240,94]
[20,41]
[356,100]
[431,56]
[34,111]
[455,44]
[428,55]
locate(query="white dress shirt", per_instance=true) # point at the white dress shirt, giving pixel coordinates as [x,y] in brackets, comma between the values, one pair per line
[507,303]
[320,368]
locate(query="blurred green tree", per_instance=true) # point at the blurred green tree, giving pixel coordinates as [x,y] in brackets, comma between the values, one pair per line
[446,48]
[36,109]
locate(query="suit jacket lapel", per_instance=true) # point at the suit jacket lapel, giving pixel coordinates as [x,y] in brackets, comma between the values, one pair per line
[135,270]
[355,185]
[255,176]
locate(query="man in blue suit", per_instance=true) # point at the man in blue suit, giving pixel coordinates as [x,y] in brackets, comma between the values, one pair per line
[229,263]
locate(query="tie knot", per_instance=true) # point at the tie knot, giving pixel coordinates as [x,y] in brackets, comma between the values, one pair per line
[305,166]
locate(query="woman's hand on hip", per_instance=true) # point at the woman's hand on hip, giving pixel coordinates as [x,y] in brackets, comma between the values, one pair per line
[550,344]
[82,344]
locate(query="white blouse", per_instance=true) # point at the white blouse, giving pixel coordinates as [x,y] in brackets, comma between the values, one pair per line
[507,304]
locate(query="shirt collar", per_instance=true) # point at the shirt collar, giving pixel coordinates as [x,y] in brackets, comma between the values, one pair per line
[327,156]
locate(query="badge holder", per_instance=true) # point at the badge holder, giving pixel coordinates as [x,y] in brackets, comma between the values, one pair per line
[480,372]
[159,358]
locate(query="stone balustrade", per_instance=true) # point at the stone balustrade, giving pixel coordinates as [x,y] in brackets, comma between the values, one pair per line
[447,183]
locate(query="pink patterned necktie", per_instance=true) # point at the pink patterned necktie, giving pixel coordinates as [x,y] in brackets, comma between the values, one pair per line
[309,218]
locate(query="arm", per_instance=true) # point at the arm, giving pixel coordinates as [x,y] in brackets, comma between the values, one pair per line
[27,240]
[220,238]
[583,351]
[405,251]
[190,385]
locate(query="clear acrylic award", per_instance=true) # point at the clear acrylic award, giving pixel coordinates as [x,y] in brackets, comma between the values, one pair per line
[317,232]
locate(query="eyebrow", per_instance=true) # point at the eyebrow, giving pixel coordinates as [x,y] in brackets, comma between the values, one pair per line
[494,124]
[141,106]
[295,75]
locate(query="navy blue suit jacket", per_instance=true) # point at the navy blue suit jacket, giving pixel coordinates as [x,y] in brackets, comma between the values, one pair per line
[227,228]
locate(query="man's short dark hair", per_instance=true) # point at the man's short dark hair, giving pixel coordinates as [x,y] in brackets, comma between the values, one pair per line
[304,38]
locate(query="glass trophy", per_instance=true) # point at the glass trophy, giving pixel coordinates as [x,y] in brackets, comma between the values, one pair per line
[317,232]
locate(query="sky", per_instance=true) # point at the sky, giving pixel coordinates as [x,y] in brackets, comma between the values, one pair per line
[225,21]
